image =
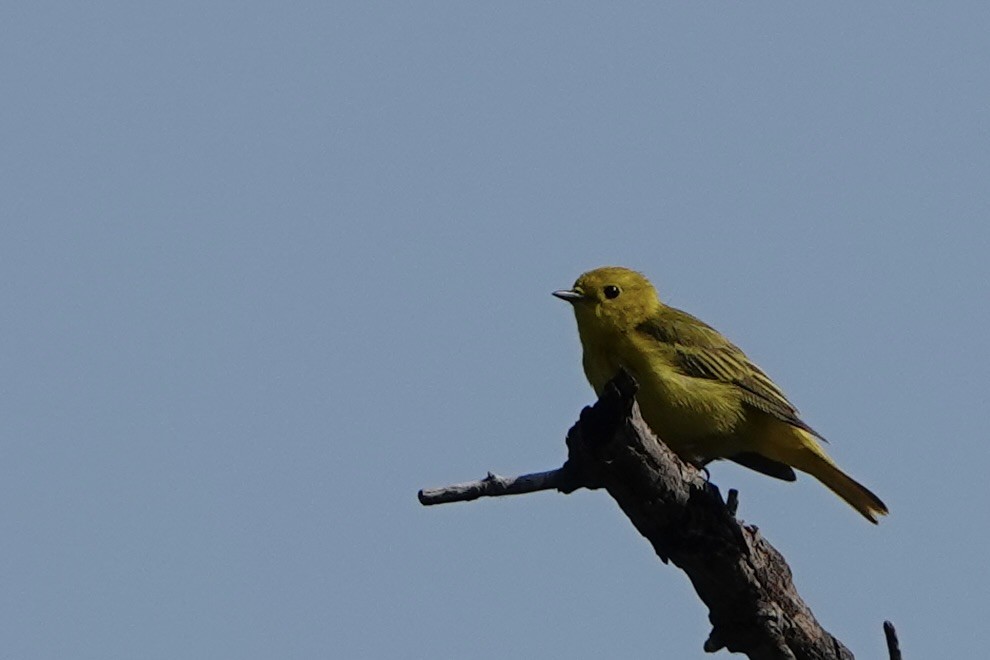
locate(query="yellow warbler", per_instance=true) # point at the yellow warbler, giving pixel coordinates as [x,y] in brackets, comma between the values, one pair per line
[698,392]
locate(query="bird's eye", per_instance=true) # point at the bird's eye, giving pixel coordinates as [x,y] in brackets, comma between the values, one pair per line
[611,291]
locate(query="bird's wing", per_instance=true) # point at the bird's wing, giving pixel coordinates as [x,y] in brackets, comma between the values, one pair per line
[701,352]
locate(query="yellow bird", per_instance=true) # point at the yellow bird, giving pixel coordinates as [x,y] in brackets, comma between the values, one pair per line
[698,392]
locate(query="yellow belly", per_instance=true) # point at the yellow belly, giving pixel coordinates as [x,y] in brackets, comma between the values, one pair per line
[698,419]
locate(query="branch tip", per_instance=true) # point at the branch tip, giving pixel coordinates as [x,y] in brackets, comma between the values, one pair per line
[732,502]
[493,485]
[714,642]
[893,646]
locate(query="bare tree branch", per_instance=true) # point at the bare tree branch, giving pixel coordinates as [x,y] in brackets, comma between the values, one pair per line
[745,582]
[893,646]
[494,486]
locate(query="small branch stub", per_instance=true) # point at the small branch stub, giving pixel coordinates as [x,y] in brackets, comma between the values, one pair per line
[893,646]
[732,502]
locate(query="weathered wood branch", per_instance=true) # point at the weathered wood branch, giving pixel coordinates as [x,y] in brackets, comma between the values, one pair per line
[753,605]
[495,486]
[893,646]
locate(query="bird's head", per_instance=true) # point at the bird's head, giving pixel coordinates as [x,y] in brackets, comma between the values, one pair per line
[611,299]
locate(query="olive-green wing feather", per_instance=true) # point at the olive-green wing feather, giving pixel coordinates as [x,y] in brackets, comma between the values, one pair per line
[701,352]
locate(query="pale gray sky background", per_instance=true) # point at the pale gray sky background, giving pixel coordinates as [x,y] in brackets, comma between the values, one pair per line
[266,269]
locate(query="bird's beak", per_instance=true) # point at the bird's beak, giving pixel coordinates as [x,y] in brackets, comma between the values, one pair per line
[569,295]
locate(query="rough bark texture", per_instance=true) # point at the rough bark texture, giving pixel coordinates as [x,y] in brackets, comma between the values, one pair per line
[495,486]
[746,584]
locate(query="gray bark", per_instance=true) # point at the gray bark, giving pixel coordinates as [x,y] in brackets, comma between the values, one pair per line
[753,605]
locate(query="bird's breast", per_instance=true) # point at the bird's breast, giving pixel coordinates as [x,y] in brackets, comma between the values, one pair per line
[693,416]
[697,418]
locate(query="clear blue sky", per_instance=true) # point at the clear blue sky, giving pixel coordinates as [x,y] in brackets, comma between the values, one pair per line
[266,269]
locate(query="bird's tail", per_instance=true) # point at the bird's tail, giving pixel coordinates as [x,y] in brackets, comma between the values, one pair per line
[815,462]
